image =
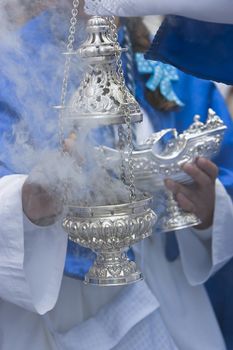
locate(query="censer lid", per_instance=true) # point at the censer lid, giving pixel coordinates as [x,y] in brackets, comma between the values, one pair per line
[97,112]
[102,98]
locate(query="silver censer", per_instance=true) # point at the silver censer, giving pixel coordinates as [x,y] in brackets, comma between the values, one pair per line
[153,166]
[109,230]
[103,99]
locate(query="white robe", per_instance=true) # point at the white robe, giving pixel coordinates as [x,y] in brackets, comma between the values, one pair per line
[206,10]
[40,309]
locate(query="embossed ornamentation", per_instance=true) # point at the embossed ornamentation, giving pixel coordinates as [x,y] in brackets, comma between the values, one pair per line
[108,231]
[152,167]
[100,99]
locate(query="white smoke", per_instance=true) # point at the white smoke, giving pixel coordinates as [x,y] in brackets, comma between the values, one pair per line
[31,70]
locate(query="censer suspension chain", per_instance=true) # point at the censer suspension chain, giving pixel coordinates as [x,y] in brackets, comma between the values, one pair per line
[122,136]
[121,133]
[70,49]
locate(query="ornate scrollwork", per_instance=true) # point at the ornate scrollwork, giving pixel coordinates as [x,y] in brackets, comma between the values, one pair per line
[100,98]
[110,233]
[199,140]
[101,95]
[108,230]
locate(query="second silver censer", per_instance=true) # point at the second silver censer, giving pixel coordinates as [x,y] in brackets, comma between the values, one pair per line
[153,166]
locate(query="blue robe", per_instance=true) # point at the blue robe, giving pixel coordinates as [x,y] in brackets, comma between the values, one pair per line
[199,48]
[40,64]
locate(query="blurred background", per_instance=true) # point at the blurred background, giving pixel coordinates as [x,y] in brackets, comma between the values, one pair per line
[153,23]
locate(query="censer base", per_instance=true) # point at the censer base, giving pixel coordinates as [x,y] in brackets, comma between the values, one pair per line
[176,218]
[115,281]
[113,269]
[179,222]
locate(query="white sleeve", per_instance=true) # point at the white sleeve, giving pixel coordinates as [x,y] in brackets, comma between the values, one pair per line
[203,253]
[31,257]
[206,10]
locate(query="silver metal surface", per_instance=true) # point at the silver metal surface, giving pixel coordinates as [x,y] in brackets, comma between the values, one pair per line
[109,231]
[153,166]
[101,99]
[174,218]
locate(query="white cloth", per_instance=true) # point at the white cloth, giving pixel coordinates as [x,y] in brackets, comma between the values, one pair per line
[169,310]
[206,10]
[21,250]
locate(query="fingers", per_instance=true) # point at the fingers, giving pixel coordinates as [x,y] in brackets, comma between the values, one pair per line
[208,167]
[202,172]
[177,189]
[198,176]
[198,198]
[184,196]
[70,147]
[185,203]
[69,143]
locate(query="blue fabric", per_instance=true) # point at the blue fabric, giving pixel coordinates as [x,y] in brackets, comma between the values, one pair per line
[161,76]
[220,289]
[199,48]
[172,251]
[8,118]
[24,86]
[45,82]
[79,260]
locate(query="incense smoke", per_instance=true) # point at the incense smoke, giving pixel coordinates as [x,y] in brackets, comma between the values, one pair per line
[32,38]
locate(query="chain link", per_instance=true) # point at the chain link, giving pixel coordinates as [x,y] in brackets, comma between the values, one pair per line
[70,50]
[121,134]
[121,146]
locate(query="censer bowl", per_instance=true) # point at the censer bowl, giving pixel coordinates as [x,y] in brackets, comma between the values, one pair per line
[109,231]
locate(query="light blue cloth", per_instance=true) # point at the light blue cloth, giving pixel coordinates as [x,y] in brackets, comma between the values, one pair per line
[162,76]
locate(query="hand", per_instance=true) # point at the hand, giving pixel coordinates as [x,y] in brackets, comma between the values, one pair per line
[198,198]
[41,201]
[43,191]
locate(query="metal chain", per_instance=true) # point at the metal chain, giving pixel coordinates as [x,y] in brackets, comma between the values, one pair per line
[70,49]
[121,146]
[121,132]
[129,138]
[129,73]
